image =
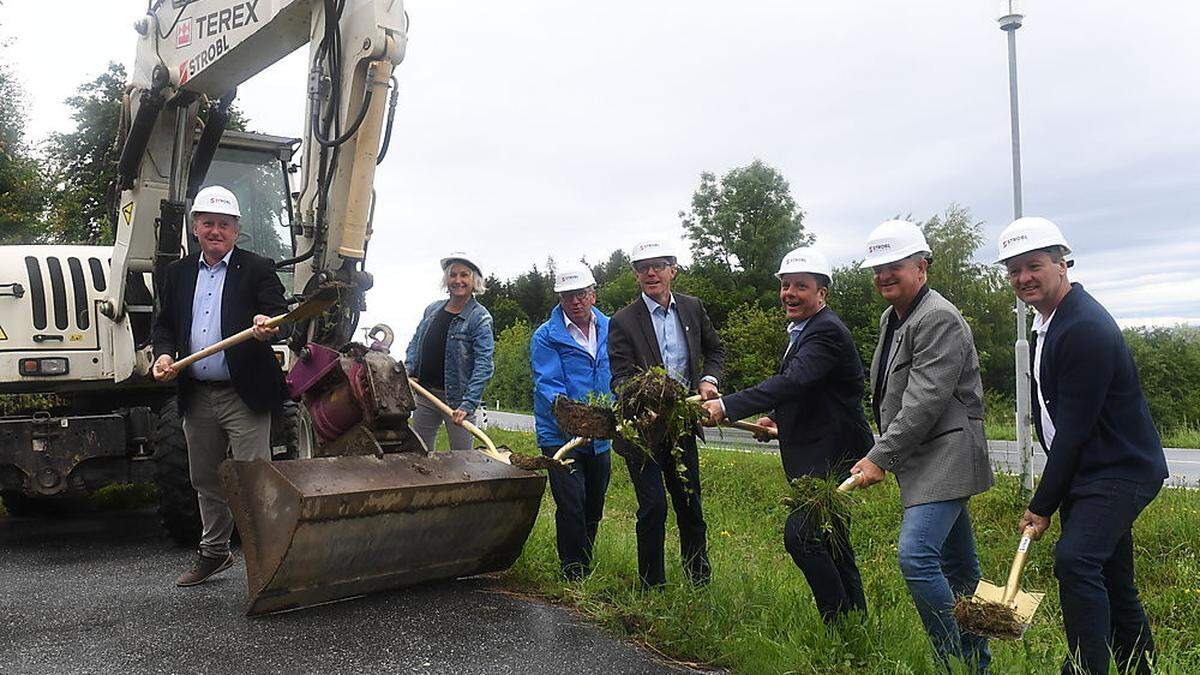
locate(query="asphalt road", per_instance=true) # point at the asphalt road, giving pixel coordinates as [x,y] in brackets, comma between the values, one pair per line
[1183,463]
[96,594]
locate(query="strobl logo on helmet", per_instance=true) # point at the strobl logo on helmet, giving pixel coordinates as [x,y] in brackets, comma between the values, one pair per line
[1012,240]
[876,248]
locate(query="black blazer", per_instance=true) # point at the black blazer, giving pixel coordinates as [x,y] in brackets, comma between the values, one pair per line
[1102,425]
[816,399]
[251,287]
[633,346]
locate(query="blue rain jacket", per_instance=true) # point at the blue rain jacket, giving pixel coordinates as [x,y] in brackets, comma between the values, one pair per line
[561,367]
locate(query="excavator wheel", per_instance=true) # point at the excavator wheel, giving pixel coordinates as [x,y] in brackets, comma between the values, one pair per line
[293,436]
[177,506]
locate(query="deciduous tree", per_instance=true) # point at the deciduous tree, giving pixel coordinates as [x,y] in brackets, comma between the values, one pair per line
[22,187]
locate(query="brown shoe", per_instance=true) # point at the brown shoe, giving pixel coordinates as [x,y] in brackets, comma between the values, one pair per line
[204,568]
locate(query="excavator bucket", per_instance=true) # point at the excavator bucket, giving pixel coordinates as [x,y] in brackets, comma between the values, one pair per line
[321,529]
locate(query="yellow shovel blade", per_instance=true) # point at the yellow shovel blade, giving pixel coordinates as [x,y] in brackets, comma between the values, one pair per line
[1024,604]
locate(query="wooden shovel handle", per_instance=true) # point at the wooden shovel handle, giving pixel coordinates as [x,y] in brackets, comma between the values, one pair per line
[756,428]
[446,410]
[745,426]
[850,483]
[569,446]
[235,339]
[1018,566]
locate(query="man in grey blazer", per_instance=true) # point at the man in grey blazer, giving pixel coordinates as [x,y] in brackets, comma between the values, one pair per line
[928,403]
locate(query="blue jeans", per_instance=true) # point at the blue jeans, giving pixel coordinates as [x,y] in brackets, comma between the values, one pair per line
[937,558]
[1093,561]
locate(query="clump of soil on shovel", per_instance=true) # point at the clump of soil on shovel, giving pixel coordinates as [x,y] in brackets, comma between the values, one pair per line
[576,418]
[533,462]
[989,619]
[653,411]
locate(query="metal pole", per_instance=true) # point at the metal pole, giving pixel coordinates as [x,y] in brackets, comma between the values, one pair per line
[1021,348]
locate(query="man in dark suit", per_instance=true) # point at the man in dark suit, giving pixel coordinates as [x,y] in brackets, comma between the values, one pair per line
[1105,461]
[225,399]
[670,330]
[815,399]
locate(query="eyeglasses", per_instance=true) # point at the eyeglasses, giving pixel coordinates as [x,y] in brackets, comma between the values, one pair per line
[571,296]
[643,266]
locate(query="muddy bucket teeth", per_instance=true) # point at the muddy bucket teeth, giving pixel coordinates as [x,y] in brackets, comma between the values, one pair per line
[322,529]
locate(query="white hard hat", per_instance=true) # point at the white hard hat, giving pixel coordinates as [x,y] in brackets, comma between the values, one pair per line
[573,278]
[460,257]
[805,259]
[216,199]
[894,240]
[654,248]
[1028,234]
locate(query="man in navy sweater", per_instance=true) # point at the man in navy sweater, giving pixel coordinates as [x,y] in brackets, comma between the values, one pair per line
[815,400]
[1105,460]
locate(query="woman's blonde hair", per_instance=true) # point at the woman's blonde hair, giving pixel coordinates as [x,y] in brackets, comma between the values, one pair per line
[478,285]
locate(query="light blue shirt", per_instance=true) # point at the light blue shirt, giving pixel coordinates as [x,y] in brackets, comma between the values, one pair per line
[206,319]
[794,330]
[672,343]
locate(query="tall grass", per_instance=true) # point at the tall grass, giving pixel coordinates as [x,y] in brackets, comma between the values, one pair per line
[757,615]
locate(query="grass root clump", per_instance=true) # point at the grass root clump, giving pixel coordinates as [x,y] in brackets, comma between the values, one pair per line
[588,420]
[989,619]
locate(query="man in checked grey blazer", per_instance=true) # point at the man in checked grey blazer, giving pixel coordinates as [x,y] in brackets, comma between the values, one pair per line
[928,403]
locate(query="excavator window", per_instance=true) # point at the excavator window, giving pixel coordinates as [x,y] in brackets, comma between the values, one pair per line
[258,179]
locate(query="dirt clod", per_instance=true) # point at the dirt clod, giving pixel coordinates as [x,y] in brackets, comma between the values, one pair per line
[576,418]
[653,410]
[533,462]
[989,619]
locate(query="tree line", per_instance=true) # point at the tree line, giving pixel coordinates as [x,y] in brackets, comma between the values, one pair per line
[740,227]
[61,192]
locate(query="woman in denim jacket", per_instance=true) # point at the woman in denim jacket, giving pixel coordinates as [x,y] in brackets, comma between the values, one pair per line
[451,354]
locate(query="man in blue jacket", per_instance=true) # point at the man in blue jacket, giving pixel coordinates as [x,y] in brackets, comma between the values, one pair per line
[569,357]
[1105,460]
[815,399]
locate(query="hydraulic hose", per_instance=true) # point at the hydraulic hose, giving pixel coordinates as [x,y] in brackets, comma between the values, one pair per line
[150,105]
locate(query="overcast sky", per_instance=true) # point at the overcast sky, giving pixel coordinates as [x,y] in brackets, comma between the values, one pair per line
[564,128]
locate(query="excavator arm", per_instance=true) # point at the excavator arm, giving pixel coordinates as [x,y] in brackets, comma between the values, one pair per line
[191,57]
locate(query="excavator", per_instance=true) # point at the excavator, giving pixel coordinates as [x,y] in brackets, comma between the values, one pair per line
[363,506]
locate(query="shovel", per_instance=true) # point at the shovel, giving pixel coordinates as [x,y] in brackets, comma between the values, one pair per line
[1001,612]
[319,302]
[490,449]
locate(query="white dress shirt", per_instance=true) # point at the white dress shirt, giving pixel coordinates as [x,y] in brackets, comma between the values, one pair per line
[589,342]
[1041,328]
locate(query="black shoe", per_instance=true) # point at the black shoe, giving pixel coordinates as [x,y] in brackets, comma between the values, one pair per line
[204,568]
[575,572]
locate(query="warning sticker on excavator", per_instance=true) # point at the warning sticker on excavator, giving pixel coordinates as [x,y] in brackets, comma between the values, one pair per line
[3,335]
[127,212]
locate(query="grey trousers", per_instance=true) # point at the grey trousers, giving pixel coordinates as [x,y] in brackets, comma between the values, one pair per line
[426,420]
[217,424]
